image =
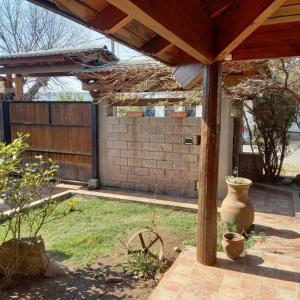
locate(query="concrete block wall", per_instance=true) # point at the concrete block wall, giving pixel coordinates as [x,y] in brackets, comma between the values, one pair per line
[148,154]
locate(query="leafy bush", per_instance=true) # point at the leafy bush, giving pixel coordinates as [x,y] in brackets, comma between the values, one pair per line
[22,183]
[273,112]
[144,265]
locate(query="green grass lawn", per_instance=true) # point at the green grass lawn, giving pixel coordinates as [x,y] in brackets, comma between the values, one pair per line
[81,237]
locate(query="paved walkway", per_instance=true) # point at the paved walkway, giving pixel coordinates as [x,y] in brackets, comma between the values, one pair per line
[269,271]
[258,276]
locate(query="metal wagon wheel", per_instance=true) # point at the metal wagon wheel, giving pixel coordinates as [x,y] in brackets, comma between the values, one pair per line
[146,241]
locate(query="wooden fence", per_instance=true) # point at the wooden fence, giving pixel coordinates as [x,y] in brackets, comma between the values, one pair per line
[66,132]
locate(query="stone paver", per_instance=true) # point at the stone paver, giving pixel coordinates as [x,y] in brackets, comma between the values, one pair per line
[259,276]
[271,201]
[270,270]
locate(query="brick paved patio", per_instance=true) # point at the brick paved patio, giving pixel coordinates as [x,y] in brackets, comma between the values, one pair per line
[259,276]
[269,271]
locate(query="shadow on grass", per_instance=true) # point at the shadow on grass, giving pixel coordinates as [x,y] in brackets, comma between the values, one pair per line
[58,255]
[83,283]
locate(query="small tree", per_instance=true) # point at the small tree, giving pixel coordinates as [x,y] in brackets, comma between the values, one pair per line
[21,184]
[273,112]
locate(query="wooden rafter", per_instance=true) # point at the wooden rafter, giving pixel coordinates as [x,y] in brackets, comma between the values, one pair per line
[186,32]
[216,7]
[32,60]
[270,41]
[236,24]
[289,12]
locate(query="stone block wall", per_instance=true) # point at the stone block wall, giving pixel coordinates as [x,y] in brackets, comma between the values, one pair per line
[148,154]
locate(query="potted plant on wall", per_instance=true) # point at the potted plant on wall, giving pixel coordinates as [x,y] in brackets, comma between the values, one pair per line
[179,114]
[237,207]
[135,114]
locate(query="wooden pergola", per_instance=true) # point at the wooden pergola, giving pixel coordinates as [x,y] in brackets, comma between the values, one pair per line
[52,63]
[195,37]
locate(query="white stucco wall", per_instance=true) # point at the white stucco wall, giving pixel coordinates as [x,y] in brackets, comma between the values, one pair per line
[226,146]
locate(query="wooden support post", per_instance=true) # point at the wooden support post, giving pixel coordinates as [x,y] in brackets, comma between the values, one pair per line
[95,141]
[18,87]
[209,165]
[6,122]
[93,182]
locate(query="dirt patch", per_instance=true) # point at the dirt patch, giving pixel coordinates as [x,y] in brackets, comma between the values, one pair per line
[104,280]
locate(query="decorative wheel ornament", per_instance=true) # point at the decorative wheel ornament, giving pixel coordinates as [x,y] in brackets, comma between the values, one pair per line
[146,241]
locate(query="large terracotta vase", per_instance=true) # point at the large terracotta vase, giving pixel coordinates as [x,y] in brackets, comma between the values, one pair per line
[236,208]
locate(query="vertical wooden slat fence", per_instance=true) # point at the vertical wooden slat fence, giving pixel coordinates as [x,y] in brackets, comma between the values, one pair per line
[63,131]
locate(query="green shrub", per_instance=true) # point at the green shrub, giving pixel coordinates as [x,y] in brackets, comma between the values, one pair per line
[144,265]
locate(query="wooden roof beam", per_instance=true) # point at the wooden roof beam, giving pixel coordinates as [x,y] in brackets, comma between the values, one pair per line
[216,7]
[58,69]
[270,41]
[239,22]
[188,32]
[31,60]
[110,20]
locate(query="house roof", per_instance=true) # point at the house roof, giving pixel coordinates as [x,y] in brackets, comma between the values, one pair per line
[67,52]
[56,62]
[182,32]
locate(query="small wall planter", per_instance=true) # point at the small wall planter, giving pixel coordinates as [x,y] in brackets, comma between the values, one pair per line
[233,245]
[179,114]
[135,114]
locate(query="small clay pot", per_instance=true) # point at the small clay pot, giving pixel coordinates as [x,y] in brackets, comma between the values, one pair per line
[233,245]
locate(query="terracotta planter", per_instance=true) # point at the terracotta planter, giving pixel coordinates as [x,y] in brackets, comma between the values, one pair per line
[135,114]
[233,245]
[179,114]
[236,207]
[32,253]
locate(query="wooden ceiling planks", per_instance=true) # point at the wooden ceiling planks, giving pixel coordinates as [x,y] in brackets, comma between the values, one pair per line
[241,21]
[271,41]
[155,28]
[97,5]
[108,18]
[289,12]
[184,32]
[215,8]
[77,9]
